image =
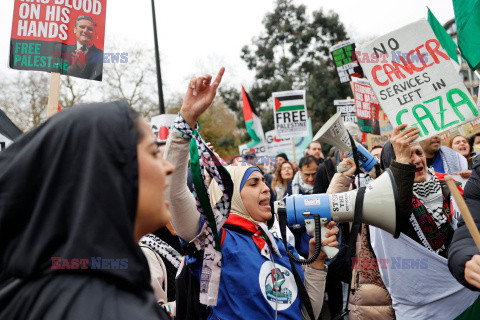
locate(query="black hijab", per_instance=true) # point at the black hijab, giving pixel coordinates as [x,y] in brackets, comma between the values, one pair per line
[69,189]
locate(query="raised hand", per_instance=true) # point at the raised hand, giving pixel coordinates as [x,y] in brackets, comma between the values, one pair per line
[199,96]
[401,142]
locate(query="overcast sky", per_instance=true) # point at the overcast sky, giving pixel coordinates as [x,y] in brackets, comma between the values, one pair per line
[197,35]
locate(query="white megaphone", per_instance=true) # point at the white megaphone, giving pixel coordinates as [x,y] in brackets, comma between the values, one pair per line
[380,205]
[334,133]
[380,208]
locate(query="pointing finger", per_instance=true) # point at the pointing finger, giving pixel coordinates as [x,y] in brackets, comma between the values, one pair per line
[218,79]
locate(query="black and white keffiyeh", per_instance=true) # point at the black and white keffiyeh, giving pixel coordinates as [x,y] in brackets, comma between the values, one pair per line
[162,248]
[429,192]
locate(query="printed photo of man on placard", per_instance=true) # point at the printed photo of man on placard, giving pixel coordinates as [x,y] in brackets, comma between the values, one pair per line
[85,60]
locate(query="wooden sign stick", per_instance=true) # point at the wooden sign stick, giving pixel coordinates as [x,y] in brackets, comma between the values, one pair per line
[466,215]
[53,94]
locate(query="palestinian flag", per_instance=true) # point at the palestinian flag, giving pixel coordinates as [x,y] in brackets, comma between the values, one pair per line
[252,121]
[467,18]
[289,103]
[442,35]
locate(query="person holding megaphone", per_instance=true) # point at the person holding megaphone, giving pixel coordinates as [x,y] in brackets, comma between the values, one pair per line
[416,274]
[247,273]
[368,296]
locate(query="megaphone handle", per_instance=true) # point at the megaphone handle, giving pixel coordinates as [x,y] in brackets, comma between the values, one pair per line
[310,226]
[329,251]
[341,169]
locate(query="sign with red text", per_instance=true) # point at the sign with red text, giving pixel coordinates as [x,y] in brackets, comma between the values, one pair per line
[161,125]
[415,81]
[63,36]
[290,114]
[343,55]
[347,109]
[366,106]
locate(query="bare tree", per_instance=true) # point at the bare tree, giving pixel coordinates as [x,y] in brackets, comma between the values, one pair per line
[133,81]
[24,98]
[73,91]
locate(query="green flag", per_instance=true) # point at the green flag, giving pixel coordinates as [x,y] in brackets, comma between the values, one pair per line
[445,40]
[467,18]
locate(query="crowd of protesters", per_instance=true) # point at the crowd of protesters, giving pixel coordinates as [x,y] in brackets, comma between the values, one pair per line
[164,236]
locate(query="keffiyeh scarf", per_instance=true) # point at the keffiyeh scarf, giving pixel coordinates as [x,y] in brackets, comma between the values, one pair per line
[300,187]
[203,159]
[162,248]
[431,216]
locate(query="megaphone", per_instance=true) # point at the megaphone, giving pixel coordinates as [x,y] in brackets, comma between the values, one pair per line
[380,205]
[334,133]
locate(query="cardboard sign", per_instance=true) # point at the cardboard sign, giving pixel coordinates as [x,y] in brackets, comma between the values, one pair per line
[343,55]
[274,145]
[386,130]
[466,130]
[260,149]
[415,81]
[161,125]
[347,109]
[366,106]
[4,142]
[290,114]
[62,36]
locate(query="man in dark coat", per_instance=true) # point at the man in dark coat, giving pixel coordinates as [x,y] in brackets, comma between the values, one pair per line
[463,255]
[85,60]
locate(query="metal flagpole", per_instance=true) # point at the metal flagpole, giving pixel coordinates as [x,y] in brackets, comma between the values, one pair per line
[157,60]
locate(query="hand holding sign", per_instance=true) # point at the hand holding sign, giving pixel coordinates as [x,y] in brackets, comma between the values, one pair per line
[199,96]
[401,142]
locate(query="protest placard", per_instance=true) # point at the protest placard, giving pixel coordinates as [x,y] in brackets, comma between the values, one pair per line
[260,149]
[161,125]
[466,130]
[343,55]
[274,145]
[290,114]
[347,109]
[366,106]
[415,81]
[60,36]
[386,130]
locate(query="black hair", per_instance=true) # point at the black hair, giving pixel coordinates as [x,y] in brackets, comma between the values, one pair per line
[282,155]
[471,140]
[306,161]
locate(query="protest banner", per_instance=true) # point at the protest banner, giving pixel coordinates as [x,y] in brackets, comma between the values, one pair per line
[260,149]
[343,55]
[274,145]
[290,114]
[347,109]
[386,130]
[59,36]
[366,106]
[161,125]
[465,130]
[415,81]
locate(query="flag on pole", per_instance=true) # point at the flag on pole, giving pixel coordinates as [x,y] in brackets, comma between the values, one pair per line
[467,18]
[252,121]
[445,40]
